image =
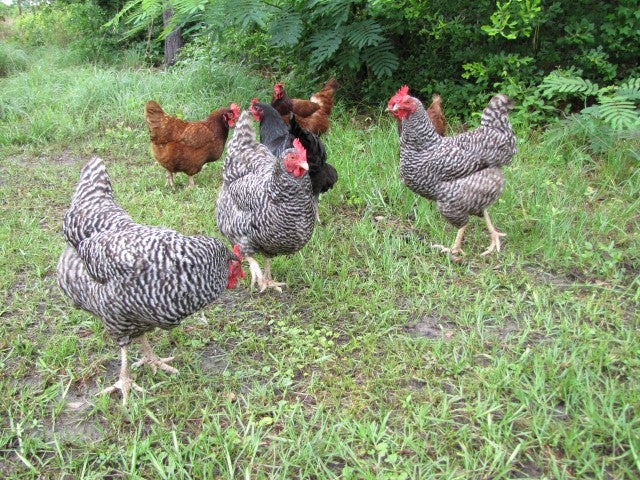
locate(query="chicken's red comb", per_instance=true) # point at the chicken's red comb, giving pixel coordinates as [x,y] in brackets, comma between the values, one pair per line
[235,108]
[300,150]
[254,100]
[278,86]
[236,251]
[403,90]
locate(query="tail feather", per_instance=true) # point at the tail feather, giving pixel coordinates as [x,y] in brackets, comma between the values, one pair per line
[244,134]
[495,114]
[153,114]
[92,207]
[324,180]
[325,96]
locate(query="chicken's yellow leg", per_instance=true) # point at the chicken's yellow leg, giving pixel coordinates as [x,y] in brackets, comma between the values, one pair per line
[149,357]
[493,233]
[125,382]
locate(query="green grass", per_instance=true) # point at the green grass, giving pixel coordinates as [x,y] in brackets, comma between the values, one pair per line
[382,359]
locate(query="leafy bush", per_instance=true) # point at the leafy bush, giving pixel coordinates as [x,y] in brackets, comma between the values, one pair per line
[616,106]
[465,51]
[77,26]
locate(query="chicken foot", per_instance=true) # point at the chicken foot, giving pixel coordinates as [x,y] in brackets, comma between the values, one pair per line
[170,181]
[125,382]
[457,246]
[152,359]
[260,279]
[493,233]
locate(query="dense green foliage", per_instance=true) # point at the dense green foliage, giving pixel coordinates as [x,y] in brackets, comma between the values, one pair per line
[463,50]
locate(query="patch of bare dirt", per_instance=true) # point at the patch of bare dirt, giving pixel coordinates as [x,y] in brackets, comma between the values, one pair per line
[213,358]
[75,423]
[527,469]
[431,326]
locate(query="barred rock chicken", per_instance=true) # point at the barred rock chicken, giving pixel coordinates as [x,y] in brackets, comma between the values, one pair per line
[461,172]
[277,137]
[136,277]
[181,146]
[265,204]
[312,114]
[436,115]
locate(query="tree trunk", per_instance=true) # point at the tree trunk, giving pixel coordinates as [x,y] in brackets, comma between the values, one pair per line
[173,42]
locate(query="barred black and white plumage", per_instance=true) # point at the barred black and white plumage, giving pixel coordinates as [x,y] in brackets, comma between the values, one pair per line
[460,172]
[264,206]
[135,277]
[277,136]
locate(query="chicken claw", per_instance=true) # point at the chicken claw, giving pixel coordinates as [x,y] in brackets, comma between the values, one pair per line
[124,385]
[457,246]
[151,359]
[493,233]
[495,241]
[262,280]
[125,382]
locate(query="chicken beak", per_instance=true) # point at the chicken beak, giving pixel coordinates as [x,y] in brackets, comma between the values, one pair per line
[305,166]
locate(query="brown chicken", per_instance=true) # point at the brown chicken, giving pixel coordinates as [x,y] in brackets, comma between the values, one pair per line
[437,115]
[312,114]
[181,146]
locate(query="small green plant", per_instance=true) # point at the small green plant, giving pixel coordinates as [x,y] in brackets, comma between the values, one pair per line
[615,106]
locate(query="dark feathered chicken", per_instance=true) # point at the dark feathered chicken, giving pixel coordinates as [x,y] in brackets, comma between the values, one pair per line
[461,172]
[277,137]
[265,204]
[135,277]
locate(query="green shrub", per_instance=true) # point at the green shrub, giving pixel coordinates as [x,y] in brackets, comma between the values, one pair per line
[76,26]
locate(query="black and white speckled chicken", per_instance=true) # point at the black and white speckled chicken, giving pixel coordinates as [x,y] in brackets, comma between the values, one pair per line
[265,204]
[277,137]
[460,172]
[136,277]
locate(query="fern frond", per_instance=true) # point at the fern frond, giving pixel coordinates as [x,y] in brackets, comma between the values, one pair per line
[286,29]
[554,84]
[365,33]
[250,12]
[323,45]
[349,59]
[630,89]
[381,59]
[618,112]
[335,11]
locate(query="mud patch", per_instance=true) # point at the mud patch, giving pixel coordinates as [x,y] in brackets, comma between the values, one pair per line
[431,326]
[213,359]
[527,469]
[75,423]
